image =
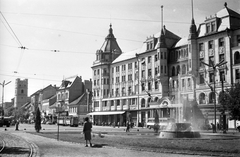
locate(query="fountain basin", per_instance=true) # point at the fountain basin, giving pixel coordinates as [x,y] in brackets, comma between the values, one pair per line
[179,134]
[179,130]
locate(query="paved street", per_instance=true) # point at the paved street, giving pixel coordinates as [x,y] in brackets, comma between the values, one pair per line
[51,147]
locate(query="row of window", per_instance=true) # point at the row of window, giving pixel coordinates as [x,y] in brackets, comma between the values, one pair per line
[62,96]
[185,83]
[179,54]
[129,90]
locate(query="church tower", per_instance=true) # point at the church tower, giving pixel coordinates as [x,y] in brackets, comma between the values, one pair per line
[21,92]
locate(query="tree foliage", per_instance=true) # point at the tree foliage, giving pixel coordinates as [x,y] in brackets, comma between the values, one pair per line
[230,101]
[38,121]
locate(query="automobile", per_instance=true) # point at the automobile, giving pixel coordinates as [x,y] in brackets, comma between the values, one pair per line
[49,123]
[5,121]
[163,122]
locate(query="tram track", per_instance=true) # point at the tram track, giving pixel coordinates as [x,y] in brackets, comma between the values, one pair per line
[13,145]
[3,143]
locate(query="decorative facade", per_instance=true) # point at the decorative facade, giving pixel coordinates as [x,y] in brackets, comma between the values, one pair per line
[167,69]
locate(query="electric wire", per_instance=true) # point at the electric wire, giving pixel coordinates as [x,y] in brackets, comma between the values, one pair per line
[103,18]
[11,29]
[9,32]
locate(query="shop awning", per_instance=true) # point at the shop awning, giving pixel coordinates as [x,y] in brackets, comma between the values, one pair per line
[106,113]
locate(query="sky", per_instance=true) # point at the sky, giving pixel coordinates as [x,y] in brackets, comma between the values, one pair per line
[61,37]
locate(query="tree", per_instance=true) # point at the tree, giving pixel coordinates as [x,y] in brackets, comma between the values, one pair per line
[230,101]
[156,121]
[38,121]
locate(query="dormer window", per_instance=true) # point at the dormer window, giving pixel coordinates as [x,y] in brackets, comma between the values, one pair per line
[213,26]
[150,45]
[208,28]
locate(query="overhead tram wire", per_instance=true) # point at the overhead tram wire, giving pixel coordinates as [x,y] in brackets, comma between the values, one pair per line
[104,18]
[74,32]
[16,38]
[11,30]
[29,77]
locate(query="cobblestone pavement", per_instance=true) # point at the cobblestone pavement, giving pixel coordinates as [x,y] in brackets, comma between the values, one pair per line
[47,147]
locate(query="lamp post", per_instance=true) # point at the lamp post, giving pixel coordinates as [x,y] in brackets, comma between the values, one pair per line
[214,67]
[223,114]
[137,56]
[228,31]
[3,85]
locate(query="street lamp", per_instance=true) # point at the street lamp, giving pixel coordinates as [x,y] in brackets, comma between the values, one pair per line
[137,56]
[214,66]
[3,84]
[228,31]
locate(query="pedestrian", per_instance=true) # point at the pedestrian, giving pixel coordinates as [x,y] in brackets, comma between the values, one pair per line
[17,124]
[218,126]
[118,124]
[213,128]
[128,127]
[87,128]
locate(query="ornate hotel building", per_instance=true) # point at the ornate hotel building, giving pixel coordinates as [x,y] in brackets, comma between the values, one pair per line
[166,71]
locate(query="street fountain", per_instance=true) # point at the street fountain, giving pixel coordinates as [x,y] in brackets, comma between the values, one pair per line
[193,118]
[179,130]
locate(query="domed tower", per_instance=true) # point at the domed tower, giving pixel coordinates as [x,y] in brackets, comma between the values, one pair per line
[108,52]
[21,92]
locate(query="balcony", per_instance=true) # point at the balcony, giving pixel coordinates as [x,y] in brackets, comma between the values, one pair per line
[201,54]
[143,79]
[105,74]
[211,52]
[221,50]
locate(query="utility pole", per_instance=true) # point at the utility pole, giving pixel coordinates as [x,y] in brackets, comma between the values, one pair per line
[137,56]
[3,85]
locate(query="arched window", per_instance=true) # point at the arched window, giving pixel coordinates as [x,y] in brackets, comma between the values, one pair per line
[189,83]
[237,57]
[178,69]
[177,84]
[143,103]
[183,69]
[173,71]
[149,100]
[211,97]
[202,98]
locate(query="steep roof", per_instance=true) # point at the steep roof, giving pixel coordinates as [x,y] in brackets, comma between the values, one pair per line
[127,55]
[182,42]
[110,43]
[67,82]
[76,101]
[228,19]
[170,41]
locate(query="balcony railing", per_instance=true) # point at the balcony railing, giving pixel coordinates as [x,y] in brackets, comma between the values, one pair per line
[221,50]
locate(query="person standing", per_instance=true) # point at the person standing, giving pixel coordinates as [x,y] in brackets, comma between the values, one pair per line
[128,127]
[87,129]
[17,124]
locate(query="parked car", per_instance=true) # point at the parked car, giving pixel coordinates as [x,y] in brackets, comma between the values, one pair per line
[5,121]
[163,122]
